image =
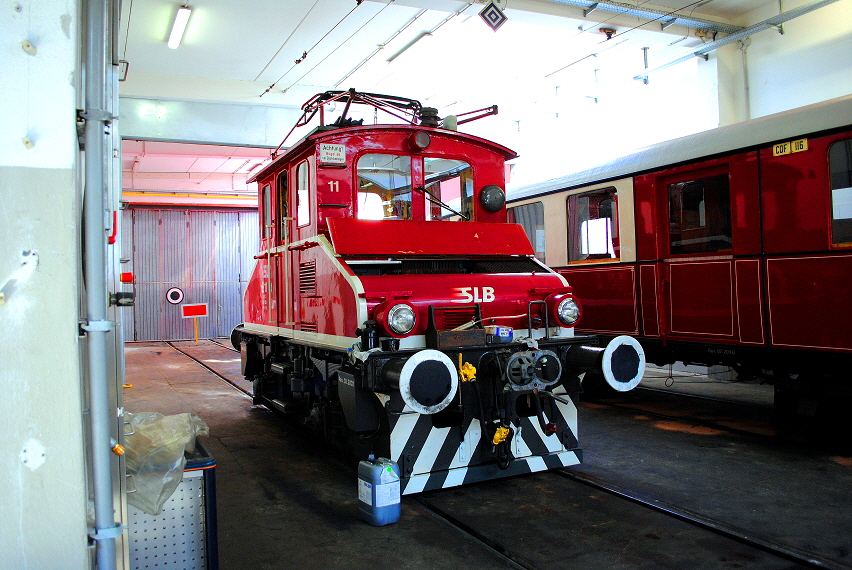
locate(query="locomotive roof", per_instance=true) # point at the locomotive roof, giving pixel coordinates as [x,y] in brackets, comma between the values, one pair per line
[762,131]
[336,132]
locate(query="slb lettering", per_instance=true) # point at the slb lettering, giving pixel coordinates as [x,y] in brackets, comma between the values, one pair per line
[475,295]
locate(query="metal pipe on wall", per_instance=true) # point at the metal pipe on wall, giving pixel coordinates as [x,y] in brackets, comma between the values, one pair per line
[773,22]
[97,325]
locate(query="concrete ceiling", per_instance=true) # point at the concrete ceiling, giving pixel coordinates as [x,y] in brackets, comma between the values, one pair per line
[180,173]
[440,52]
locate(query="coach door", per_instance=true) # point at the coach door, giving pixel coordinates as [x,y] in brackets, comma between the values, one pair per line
[711,275]
[699,272]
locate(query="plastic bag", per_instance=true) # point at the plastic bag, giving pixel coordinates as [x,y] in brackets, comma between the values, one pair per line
[154,455]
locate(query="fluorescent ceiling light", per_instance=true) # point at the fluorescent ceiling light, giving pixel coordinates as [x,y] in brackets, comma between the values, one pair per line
[179,26]
[408,45]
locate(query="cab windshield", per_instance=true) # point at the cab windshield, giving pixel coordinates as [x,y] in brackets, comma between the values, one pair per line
[449,181]
[384,187]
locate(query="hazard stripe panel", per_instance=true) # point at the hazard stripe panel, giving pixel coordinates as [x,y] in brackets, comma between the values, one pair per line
[437,458]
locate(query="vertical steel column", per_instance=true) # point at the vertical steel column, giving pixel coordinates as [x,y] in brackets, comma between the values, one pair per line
[97,326]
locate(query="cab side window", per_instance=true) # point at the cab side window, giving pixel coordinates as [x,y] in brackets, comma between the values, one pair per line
[700,215]
[531,217]
[303,213]
[840,167]
[593,225]
[283,197]
[266,200]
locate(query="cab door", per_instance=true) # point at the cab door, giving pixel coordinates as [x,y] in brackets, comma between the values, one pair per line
[284,231]
[301,226]
[266,258]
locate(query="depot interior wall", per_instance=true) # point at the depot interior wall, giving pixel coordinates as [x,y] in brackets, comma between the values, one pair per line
[809,63]
[205,122]
[42,465]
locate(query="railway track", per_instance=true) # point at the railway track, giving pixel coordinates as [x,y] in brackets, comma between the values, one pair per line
[714,526]
[725,538]
[208,367]
[457,509]
[222,344]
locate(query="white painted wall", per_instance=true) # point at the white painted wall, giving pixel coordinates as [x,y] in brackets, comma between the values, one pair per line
[810,62]
[42,461]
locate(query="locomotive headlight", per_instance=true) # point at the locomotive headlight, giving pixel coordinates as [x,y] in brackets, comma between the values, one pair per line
[492,198]
[420,140]
[568,311]
[401,319]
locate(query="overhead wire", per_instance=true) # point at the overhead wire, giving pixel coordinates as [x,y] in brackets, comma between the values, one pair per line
[306,52]
[296,29]
[431,32]
[338,47]
[381,47]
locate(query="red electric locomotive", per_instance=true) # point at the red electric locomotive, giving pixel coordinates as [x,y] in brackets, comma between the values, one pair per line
[731,246]
[393,309]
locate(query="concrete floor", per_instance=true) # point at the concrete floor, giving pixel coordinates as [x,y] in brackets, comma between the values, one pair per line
[282,501]
[680,381]
[285,502]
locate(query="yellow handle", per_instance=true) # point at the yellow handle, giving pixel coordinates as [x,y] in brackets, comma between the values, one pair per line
[500,435]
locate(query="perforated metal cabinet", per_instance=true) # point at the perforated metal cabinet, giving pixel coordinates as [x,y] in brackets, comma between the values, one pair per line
[183,535]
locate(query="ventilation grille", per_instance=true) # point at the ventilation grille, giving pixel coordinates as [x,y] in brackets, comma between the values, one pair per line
[449,267]
[308,278]
[450,318]
[309,327]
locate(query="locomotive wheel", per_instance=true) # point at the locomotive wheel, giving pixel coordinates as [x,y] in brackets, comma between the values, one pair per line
[256,387]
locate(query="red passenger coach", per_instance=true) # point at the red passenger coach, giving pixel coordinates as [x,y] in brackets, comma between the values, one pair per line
[732,246]
[394,310]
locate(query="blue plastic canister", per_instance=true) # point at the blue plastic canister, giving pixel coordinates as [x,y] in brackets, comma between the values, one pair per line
[378,491]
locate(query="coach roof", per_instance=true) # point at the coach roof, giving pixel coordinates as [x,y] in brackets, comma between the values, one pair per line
[799,122]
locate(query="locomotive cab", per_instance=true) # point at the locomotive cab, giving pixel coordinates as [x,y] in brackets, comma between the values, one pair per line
[392,305]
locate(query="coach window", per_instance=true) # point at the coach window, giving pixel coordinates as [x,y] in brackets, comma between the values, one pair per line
[531,218]
[303,209]
[451,182]
[593,226]
[840,165]
[266,198]
[283,208]
[700,215]
[384,187]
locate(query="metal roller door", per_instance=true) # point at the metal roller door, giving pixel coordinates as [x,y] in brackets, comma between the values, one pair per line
[208,255]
